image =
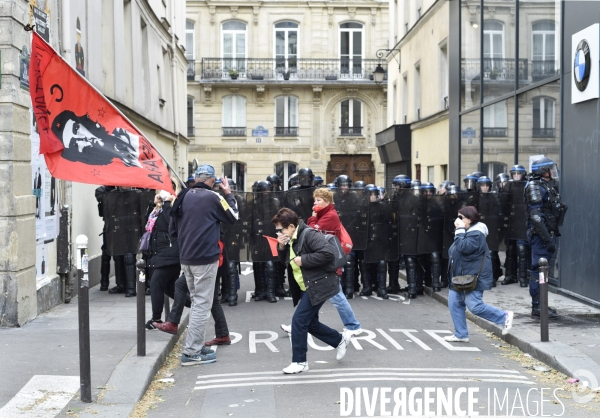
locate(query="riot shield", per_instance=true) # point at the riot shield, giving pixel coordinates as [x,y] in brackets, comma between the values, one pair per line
[300,201]
[146,201]
[452,204]
[265,206]
[518,210]
[237,236]
[494,209]
[382,241]
[409,211]
[123,221]
[352,206]
[431,224]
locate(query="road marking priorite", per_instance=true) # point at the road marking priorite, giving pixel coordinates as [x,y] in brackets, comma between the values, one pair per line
[42,396]
[216,381]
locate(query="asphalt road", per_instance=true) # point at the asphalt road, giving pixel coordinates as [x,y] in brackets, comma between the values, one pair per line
[400,365]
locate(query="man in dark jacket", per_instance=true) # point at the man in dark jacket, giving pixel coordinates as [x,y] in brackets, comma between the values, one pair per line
[312,280]
[195,219]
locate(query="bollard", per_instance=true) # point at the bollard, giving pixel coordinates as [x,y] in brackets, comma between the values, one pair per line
[141,307]
[83,309]
[544,299]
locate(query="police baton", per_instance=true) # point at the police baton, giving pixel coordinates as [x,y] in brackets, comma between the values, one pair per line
[141,307]
[83,308]
[543,263]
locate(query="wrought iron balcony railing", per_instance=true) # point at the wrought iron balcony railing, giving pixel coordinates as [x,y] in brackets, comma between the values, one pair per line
[191,70]
[274,69]
[541,69]
[234,131]
[497,132]
[191,131]
[543,132]
[494,69]
[351,131]
[286,131]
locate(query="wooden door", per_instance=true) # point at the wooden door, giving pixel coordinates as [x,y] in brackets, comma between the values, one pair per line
[357,167]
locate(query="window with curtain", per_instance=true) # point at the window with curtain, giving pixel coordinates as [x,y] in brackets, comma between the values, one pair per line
[286,116]
[234,46]
[189,49]
[234,116]
[494,120]
[351,117]
[493,49]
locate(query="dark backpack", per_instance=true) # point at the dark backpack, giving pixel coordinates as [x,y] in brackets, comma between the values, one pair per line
[339,257]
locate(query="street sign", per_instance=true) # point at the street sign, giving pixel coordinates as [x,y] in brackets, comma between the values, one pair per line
[468,133]
[260,131]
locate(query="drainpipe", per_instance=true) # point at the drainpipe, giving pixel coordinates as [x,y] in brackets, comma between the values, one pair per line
[174,91]
[66,29]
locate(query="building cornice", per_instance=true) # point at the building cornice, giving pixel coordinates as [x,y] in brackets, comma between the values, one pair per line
[430,120]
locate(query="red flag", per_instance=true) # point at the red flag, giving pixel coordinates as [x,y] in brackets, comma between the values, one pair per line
[83,137]
[272,244]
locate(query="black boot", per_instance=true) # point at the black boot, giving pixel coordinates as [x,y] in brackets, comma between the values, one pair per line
[130,275]
[510,264]
[436,271]
[424,261]
[120,275]
[420,274]
[271,278]
[232,279]
[496,267]
[523,262]
[260,290]
[411,275]
[444,278]
[348,277]
[373,276]
[104,271]
[394,286]
[365,276]
[280,289]
[535,309]
[381,276]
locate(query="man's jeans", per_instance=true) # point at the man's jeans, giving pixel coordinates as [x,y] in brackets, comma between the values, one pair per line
[472,300]
[345,310]
[201,283]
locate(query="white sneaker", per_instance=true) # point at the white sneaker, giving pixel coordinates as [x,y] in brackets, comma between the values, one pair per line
[455,339]
[508,322]
[353,332]
[341,348]
[286,328]
[296,368]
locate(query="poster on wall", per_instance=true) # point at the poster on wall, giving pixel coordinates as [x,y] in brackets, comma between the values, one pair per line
[40,13]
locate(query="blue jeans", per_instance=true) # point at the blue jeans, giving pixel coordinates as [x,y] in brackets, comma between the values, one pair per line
[345,310]
[457,301]
[305,320]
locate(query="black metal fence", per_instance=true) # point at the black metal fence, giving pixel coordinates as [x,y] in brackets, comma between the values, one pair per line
[234,131]
[543,69]
[500,69]
[350,131]
[543,132]
[191,70]
[497,132]
[286,131]
[289,69]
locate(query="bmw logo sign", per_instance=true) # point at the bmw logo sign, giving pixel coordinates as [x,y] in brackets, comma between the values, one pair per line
[582,65]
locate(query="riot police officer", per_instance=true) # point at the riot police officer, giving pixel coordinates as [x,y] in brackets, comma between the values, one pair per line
[376,271]
[484,185]
[430,235]
[318,181]
[305,178]
[410,208]
[500,182]
[401,181]
[279,267]
[275,182]
[546,215]
[293,181]
[105,258]
[358,184]
[470,181]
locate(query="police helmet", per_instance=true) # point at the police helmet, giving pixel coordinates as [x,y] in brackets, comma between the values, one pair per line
[359,184]
[373,191]
[470,182]
[263,186]
[544,165]
[331,186]
[501,180]
[445,185]
[478,174]
[318,181]
[254,187]
[453,189]
[305,177]
[484,184]
[275,181]
[415,184]
[343,180]
[293,180]
[428,187]
[232,184]
[518,170]
[401,180]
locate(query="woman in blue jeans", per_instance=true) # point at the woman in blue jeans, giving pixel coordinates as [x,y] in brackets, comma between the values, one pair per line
[466,255]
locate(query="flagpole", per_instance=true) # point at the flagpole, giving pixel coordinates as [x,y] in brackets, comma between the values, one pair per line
[111,103]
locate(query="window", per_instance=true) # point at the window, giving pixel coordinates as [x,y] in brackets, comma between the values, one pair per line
[190,117]
[418,172]
[543,118]
[431,174]
[444,75]
[494,120]
[405,98]
[417,98]
[237,172]
[189,49]
[351,117]
[492,169]
[234,46]
[351,48]
[493,49]
[444,171]
[286,47]
[544,50]
[234,116]
[284,170]
[286,116]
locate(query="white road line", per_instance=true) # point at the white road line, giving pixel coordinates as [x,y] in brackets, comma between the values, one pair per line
[43,396]
[329,375]
[370,369]
[306,382]
[248,295]
[247,271]
[434,334]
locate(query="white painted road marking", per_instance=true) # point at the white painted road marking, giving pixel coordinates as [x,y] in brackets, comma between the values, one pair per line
[42,397]
[434,334]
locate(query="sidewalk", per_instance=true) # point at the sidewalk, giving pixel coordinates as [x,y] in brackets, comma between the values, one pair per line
[48,348]
[574,338]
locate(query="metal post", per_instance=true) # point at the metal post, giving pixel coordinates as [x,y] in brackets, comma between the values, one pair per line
[83,308]
[141,307]
[544,299]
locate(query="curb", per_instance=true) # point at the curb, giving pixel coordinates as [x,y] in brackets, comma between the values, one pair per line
[130,379]
[562,357]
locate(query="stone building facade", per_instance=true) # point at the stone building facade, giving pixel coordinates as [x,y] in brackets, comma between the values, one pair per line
[274,86]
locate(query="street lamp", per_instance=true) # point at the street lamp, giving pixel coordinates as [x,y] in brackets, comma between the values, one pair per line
[378,74]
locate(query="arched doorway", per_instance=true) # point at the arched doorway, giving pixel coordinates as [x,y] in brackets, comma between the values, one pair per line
[358,167]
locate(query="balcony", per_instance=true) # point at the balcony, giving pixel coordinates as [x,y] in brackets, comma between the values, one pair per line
[286,131]
[543,132]
[191,131]
[296,69]
[494,69]
[234,131]
[191,70]
[497,132]
[350,131]
[543,69]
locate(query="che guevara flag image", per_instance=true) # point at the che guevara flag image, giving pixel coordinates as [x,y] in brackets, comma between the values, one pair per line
[83,137]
